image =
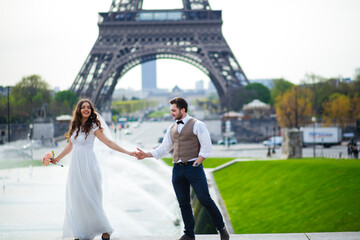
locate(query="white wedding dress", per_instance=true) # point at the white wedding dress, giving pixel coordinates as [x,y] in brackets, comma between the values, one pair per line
[84,217]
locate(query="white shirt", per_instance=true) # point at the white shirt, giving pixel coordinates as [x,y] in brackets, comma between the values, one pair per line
[199,130]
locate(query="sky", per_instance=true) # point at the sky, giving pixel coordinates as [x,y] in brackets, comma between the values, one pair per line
[269,38]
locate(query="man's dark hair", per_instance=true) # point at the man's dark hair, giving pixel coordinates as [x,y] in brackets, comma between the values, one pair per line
[180,103]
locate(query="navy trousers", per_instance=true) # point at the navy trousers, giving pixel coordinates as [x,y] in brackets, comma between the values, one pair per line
[182,178]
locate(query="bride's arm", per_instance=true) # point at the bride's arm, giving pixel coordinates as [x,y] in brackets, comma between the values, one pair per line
[64,152]
[102,137]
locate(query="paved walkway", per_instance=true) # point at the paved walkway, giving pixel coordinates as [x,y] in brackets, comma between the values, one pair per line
[32,204]
[47,235]
[281,236]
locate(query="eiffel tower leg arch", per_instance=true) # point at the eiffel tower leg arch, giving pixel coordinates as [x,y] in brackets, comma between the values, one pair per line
[102,95]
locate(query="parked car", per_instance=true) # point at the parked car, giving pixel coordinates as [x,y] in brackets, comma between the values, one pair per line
[231,141]
[276,140]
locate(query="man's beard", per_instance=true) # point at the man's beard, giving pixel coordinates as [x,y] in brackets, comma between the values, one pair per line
[179,117]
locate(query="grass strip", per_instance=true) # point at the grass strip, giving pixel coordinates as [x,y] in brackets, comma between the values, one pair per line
[19,163]
[290,196]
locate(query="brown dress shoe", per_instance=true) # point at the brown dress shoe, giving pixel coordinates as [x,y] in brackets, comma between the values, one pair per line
[224,235]
[185,237]
[105,236]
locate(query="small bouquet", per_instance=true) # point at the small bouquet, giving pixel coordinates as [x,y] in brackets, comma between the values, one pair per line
[46,159]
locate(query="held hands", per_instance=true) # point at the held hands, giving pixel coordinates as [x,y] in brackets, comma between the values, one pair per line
[140,154]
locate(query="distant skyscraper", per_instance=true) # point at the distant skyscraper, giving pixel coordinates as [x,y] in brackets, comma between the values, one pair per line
[148,75]
[199,85]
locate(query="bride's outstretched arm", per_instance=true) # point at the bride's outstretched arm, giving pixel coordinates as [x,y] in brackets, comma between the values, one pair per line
[111,144]
[64,152]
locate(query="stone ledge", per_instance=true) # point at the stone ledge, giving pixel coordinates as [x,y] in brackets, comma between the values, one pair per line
[272,236]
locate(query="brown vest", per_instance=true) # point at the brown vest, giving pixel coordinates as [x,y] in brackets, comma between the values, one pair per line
[186,144]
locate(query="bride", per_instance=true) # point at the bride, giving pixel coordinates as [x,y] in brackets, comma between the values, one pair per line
[85,217]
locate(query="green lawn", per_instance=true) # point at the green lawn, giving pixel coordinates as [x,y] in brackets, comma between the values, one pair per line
[303,195]
[19,163]
[208,163]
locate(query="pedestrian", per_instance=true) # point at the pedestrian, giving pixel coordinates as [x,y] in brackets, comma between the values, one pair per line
[269,152]
[349,150]
[355,151]
[191,144]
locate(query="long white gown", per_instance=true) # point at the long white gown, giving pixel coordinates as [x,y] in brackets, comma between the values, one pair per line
[84,217]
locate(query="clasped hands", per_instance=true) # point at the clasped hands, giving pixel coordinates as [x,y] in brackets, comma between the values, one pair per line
[140,154]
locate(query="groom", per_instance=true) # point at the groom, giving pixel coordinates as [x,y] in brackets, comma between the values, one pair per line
[190,140]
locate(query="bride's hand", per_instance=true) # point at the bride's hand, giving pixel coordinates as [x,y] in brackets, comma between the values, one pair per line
[131,154]
[54,161]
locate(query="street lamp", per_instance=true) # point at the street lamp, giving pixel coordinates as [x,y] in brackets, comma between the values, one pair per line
[313,119]
[8,108]
[274,140]
[30,136]
[266,135]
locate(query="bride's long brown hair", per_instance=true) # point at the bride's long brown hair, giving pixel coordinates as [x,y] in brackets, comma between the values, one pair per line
[76,124]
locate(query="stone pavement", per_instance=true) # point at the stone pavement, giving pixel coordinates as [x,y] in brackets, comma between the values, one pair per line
[32,199]
[32,203]
[275,236]
[41,235]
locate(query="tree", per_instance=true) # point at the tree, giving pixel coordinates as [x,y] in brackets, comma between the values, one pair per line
[293,108]
[342,110]
[320,88]
[323,88]
[210,103]
[354,108]
[356,84]
[29,96]
[66,96]
[64,102]
[241,97]
[124,108]
[280,86]
[3,109]
[260,92]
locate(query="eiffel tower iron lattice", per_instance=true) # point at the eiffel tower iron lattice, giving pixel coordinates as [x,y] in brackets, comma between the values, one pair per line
[130,35]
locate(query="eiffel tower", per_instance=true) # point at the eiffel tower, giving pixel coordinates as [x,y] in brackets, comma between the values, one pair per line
[130,35]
